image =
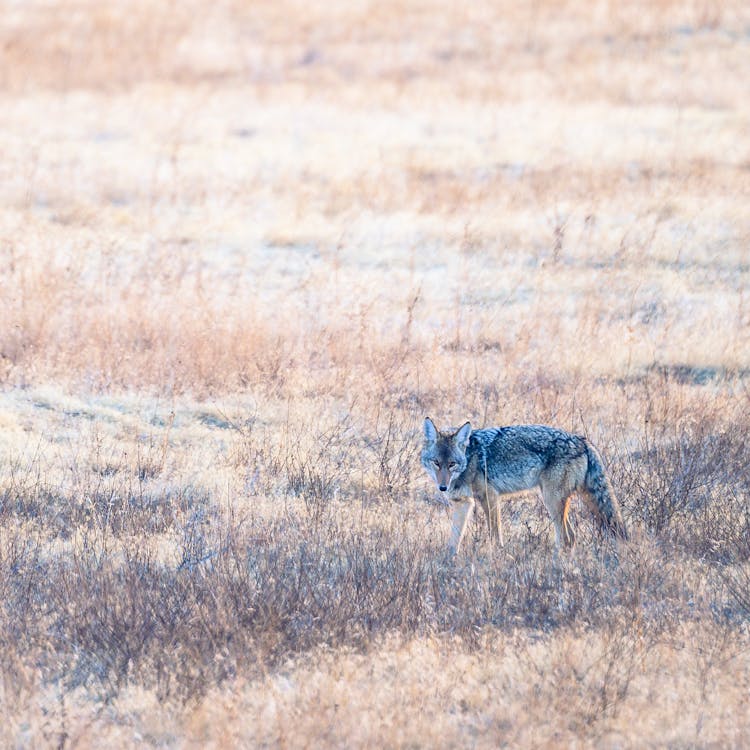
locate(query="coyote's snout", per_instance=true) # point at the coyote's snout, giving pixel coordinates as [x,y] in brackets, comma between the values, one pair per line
[444,455]
[473,466]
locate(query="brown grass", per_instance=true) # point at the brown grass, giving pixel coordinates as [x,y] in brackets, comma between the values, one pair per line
[246,248]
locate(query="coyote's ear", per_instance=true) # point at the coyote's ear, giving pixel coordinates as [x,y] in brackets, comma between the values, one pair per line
[462,436]
[430,431]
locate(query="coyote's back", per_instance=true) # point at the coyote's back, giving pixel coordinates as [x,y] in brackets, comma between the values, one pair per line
[478,465]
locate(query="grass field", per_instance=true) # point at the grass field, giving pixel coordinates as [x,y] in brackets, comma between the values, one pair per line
[245,248]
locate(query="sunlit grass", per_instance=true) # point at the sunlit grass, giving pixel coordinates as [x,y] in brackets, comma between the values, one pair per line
[245,249]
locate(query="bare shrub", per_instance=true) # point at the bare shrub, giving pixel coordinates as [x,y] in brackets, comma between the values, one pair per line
[688,479]
[116,509]
[737,581]
[389,454]
[315,463]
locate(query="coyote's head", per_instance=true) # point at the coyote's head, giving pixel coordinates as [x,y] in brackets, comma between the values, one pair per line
[444,453]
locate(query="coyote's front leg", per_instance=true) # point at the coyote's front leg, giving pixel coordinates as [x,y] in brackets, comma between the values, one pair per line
[490,502]
[463,509]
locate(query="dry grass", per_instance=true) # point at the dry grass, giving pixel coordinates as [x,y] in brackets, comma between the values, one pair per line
[245,248]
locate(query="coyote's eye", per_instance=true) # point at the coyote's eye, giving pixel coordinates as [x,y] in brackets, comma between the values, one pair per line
[436,463]
[452,465]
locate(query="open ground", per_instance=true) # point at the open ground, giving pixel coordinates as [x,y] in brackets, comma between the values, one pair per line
[246,247]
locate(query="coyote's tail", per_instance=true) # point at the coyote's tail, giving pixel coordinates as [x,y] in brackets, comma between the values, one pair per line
[605,503]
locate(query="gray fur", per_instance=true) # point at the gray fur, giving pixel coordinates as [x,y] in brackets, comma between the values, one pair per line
[505,460]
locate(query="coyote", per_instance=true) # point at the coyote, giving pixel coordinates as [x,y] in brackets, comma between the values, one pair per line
[476,466]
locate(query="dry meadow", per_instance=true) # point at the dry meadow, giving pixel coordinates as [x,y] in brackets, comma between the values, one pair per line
[246,247]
